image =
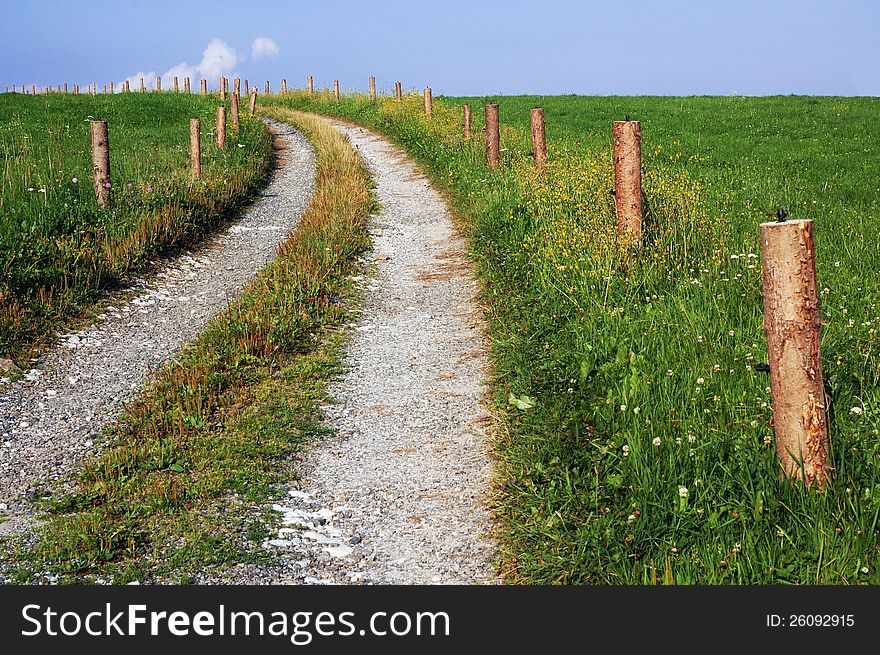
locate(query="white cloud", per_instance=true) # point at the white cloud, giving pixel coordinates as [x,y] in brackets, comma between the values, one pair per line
[218,59]
[263,48]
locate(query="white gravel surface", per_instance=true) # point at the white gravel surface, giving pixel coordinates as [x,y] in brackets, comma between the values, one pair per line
[399,495]
[50,418]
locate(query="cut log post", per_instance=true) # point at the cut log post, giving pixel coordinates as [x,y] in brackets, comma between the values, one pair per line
[336,90]
[493,143]
[628,180]
[236,86]
[233,109]
[283,87]
[76,89]
[204,87]
[111,87]
[101,162]
[186,87]
[429,103]
[221,127]
[398,92]
[252,107]
[127,87]
[195,148]
[310,85]
[176,85]
[466,122]
[65,88]
[143,86]
[372,88]
[539,142]
[791,324]
[158,84]
[247,90]
[267,87]
[104,89]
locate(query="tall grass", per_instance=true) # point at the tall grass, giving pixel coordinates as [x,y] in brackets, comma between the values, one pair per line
[58,250]
[635,436]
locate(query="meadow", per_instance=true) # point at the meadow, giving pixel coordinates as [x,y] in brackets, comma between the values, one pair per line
[58,250]
[634,427]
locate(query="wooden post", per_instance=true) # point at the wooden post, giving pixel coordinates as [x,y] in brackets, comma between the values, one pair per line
[76,89]
[111,86]
[158,84]
[195,148]
[143,86]
[236,87]
[233,108]
[176,85]
[539,141]
[220,88]
[467,122]
[127,87]
[33,89]
[253,104]
[372,88]
[493,144]
[336,90]
[398,91]
[101,162]
[429,108]
[791,324]
[310,84]
[246,89]
[267,87]
[204,87]
[283,86]
[221,127]
[104,89]
[65,88]
[186,87]
[628,179]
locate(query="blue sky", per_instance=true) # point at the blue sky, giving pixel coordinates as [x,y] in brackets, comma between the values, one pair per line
[676,47]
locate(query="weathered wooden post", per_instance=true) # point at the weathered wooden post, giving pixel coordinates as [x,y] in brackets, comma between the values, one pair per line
[539,141]
[467,122]
[76,89]
[143,86]
[310,84]
[101,162]
[398,92]
[493,143]
[628,179]
[111,86]
[247,91]
[186,86]
[236,87]
[33,89]
[204,86]
[283,87]
[336,90]
[233,108]
[176,85]
[791,324]
[429,109]
[158,84]
[252,107]
[220,88]
[221,127]
[372,88]
[127,87]
[104,89]
[65,88]
[195,148]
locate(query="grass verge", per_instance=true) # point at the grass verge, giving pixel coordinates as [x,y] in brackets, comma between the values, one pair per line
[635,437]
[175,488]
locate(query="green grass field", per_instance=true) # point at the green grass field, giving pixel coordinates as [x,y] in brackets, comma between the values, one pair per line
[58,250]
[635,442]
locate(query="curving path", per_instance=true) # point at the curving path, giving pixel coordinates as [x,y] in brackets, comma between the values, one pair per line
[49,419]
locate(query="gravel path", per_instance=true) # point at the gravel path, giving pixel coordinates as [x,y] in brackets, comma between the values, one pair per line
[398,496]
[50,418]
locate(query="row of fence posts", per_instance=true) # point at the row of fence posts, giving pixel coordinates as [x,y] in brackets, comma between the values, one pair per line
[791,305]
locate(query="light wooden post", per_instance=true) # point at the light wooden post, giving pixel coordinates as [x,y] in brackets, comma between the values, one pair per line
[220,88]
[104,89]
[467,122]
[628,179]
[267,87]
[195,148]
[158,84]
[372,88]
[143,86]
[233,108]
[204,87]
[310,84]
[283,87]
[539,141]
[221,127]
[176,85]
[33,89]
[76,89]
[398,91]
[236,87]
[247,91]
[429,104]
[252,107]
[111,87]
[101,162]
[791,324]
[65,88]
[493,144]
[336,90]
[186,85]
[127,87]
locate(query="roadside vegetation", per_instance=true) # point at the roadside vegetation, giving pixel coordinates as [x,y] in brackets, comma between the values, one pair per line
[634,429]
[58,250]
[183,475]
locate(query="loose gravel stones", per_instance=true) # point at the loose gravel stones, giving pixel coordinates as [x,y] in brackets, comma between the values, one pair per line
[398,495]
[51,416]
